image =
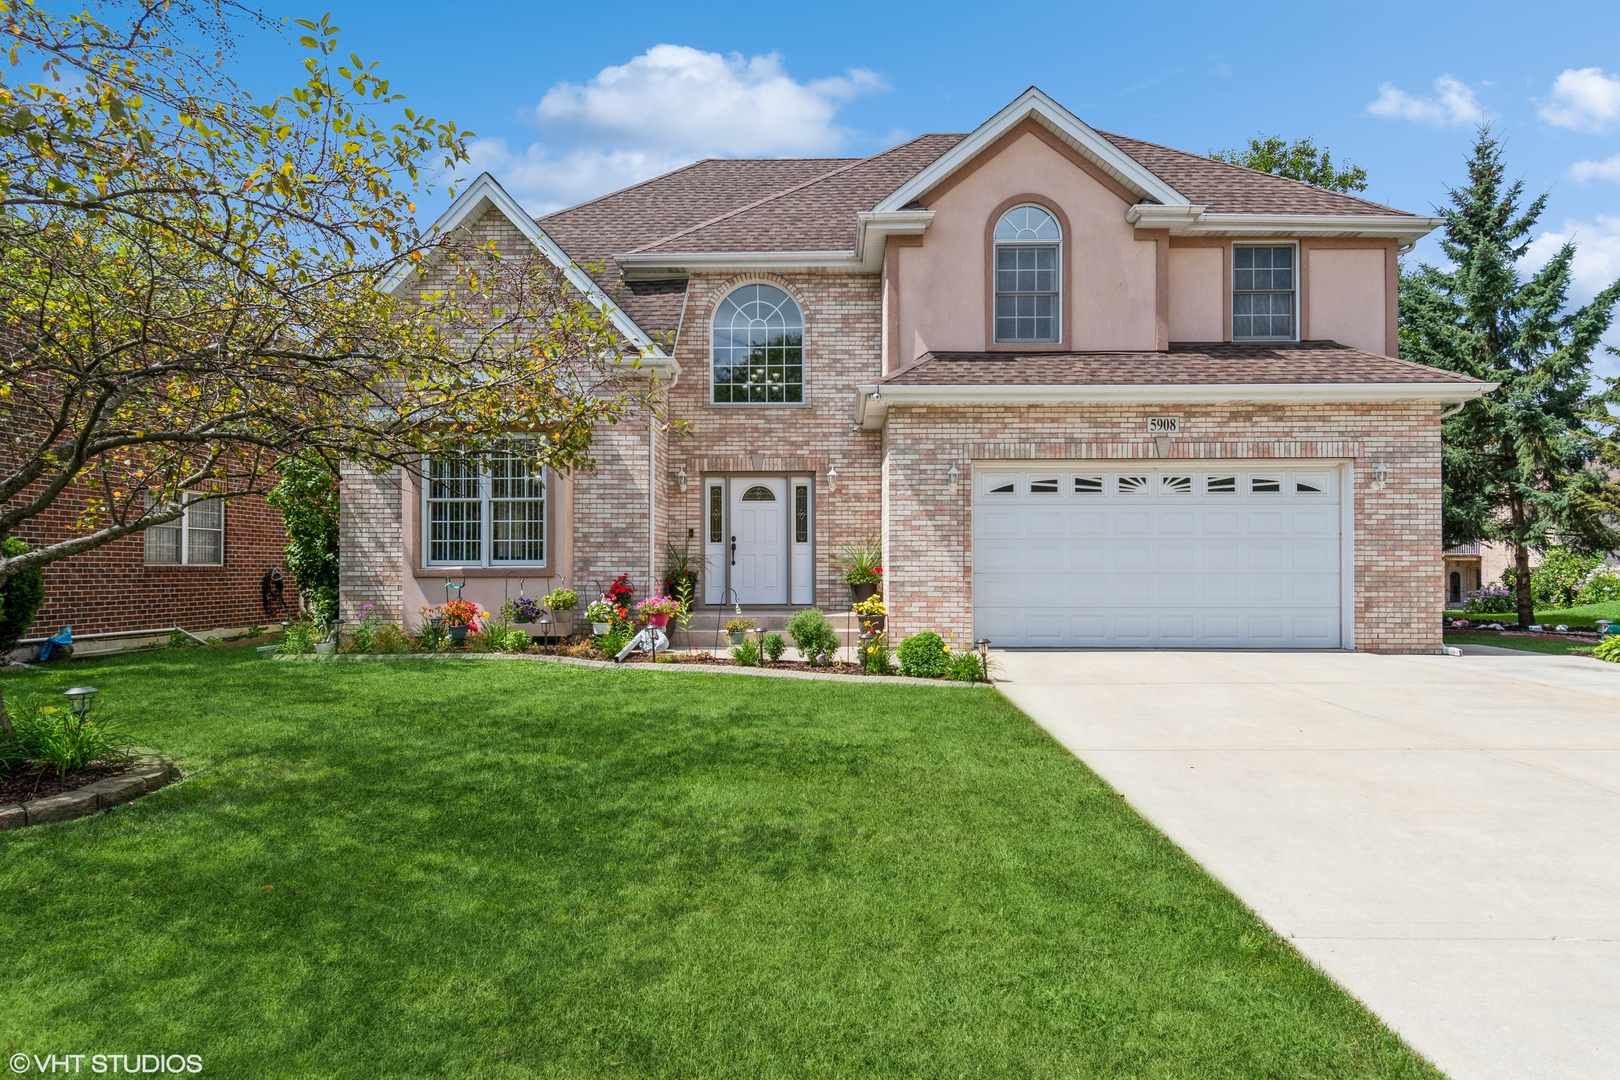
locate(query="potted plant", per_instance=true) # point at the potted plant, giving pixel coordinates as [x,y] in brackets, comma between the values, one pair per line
[522,609]
[621,595]
[680,565]
[561,600]
[737,630]
[657,609]
[872,612]
[862,564]
[458,617]
[601,614]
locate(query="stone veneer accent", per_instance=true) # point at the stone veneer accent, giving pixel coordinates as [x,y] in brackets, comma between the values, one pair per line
[928,526]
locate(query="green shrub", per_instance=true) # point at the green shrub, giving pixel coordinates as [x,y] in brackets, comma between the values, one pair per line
[773,647]
[299,638]
[1558,579]
[965,667]
[516,641]
[746,654]
[924,655]
[1608,649]
[611,642]
[478,641]
[55,737]
[389,638]
[1491,600]
[1602,586]
[307,496]
[812,634]
[20,597]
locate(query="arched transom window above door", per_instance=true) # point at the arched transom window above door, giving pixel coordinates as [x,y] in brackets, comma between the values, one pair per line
[758,348]
[1028,283]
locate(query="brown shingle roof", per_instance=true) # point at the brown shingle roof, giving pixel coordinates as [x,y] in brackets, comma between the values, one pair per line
[818,215]
[1232,189]
[1246,362]
[593,232]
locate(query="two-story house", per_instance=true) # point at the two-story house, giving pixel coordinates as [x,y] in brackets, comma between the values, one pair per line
[1090,391]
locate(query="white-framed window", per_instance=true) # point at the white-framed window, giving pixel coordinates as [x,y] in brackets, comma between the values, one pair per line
[488,511]
[195,538]
[1265,289]
[757,353]
[1028,261]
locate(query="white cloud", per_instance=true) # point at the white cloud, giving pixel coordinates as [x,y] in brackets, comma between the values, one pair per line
[1597,254]
[1453,103]
[1596,170]
[1583,100]
[667,107]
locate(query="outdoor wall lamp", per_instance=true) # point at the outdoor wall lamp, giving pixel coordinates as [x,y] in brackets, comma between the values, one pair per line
[1380,473]
[79,698]
[954,476]
[680,479]
[832,478]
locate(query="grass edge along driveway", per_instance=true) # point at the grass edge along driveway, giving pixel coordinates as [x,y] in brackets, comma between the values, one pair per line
[531,870]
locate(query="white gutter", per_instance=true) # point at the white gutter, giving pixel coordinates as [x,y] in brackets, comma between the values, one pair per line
[872,400]
[872,231]
[1196,221]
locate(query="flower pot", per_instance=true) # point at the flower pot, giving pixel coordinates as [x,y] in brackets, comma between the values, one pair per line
[600,628]
[864,590]
[659,620]
[458,633]
[324,648]
[872,624]
[737,637]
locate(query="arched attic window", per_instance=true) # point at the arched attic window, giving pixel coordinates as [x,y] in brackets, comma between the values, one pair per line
[1029,245]
[758,348]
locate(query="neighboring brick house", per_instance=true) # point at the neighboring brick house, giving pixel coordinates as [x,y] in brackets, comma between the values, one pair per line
[1088,390]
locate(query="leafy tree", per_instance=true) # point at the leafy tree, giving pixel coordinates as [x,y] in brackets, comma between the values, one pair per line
[189,281]
[20,598]
[307,496]
[1521,464]
[1297,160]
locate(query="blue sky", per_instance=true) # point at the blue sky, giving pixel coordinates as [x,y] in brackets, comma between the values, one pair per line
[574,100]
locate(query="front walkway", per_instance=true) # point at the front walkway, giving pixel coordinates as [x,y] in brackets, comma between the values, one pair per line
[1440,834]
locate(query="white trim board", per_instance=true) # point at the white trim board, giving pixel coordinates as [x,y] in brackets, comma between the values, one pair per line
[872,401]
[486,192]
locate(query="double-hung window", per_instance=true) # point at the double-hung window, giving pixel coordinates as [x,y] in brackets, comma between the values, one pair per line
[1028,246]
[195,538]
[488,511]
[1264,284]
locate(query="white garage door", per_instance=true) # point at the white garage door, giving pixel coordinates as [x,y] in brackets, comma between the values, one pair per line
[1176,558]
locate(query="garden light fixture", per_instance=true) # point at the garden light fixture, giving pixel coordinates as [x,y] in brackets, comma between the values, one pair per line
[80,697]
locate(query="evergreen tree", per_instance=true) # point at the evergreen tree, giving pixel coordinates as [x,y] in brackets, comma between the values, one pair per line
[1520,464]
[1297,160]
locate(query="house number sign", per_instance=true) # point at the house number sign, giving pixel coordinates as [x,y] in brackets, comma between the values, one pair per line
[1164,425]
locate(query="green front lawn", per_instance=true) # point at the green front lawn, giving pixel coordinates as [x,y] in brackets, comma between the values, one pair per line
[528,870]
[1524,644]
[1575,616]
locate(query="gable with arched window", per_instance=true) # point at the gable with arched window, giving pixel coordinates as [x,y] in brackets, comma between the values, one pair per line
[757,353]
[1028,276]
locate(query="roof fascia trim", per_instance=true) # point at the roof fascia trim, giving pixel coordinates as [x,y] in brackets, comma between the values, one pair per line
[1067,126]
[1196,221]
[487,191]
[872,400]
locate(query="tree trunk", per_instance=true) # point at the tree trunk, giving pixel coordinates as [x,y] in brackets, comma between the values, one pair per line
[1521,586]
[5,717]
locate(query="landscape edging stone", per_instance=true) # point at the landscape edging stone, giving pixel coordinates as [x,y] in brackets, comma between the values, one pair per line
[148,771]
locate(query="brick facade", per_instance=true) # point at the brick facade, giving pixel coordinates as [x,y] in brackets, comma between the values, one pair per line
[371,544]
[111,589]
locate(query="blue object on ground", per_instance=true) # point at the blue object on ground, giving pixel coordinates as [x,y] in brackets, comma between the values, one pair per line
[48,646]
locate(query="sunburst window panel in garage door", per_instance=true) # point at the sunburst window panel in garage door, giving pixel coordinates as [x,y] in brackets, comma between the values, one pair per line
[1078,556]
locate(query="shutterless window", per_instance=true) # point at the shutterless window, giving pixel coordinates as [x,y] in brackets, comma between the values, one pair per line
[1263,285]
[1028,242]
[195,538]
[758,348]
[486,512]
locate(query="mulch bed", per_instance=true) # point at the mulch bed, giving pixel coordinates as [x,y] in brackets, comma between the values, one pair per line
[36,782]
[683,657]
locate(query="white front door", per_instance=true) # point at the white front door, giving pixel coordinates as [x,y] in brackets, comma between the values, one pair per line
[758,545]
[1199,555]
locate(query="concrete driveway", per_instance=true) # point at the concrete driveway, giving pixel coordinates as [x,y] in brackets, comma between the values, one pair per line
[1439,834]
